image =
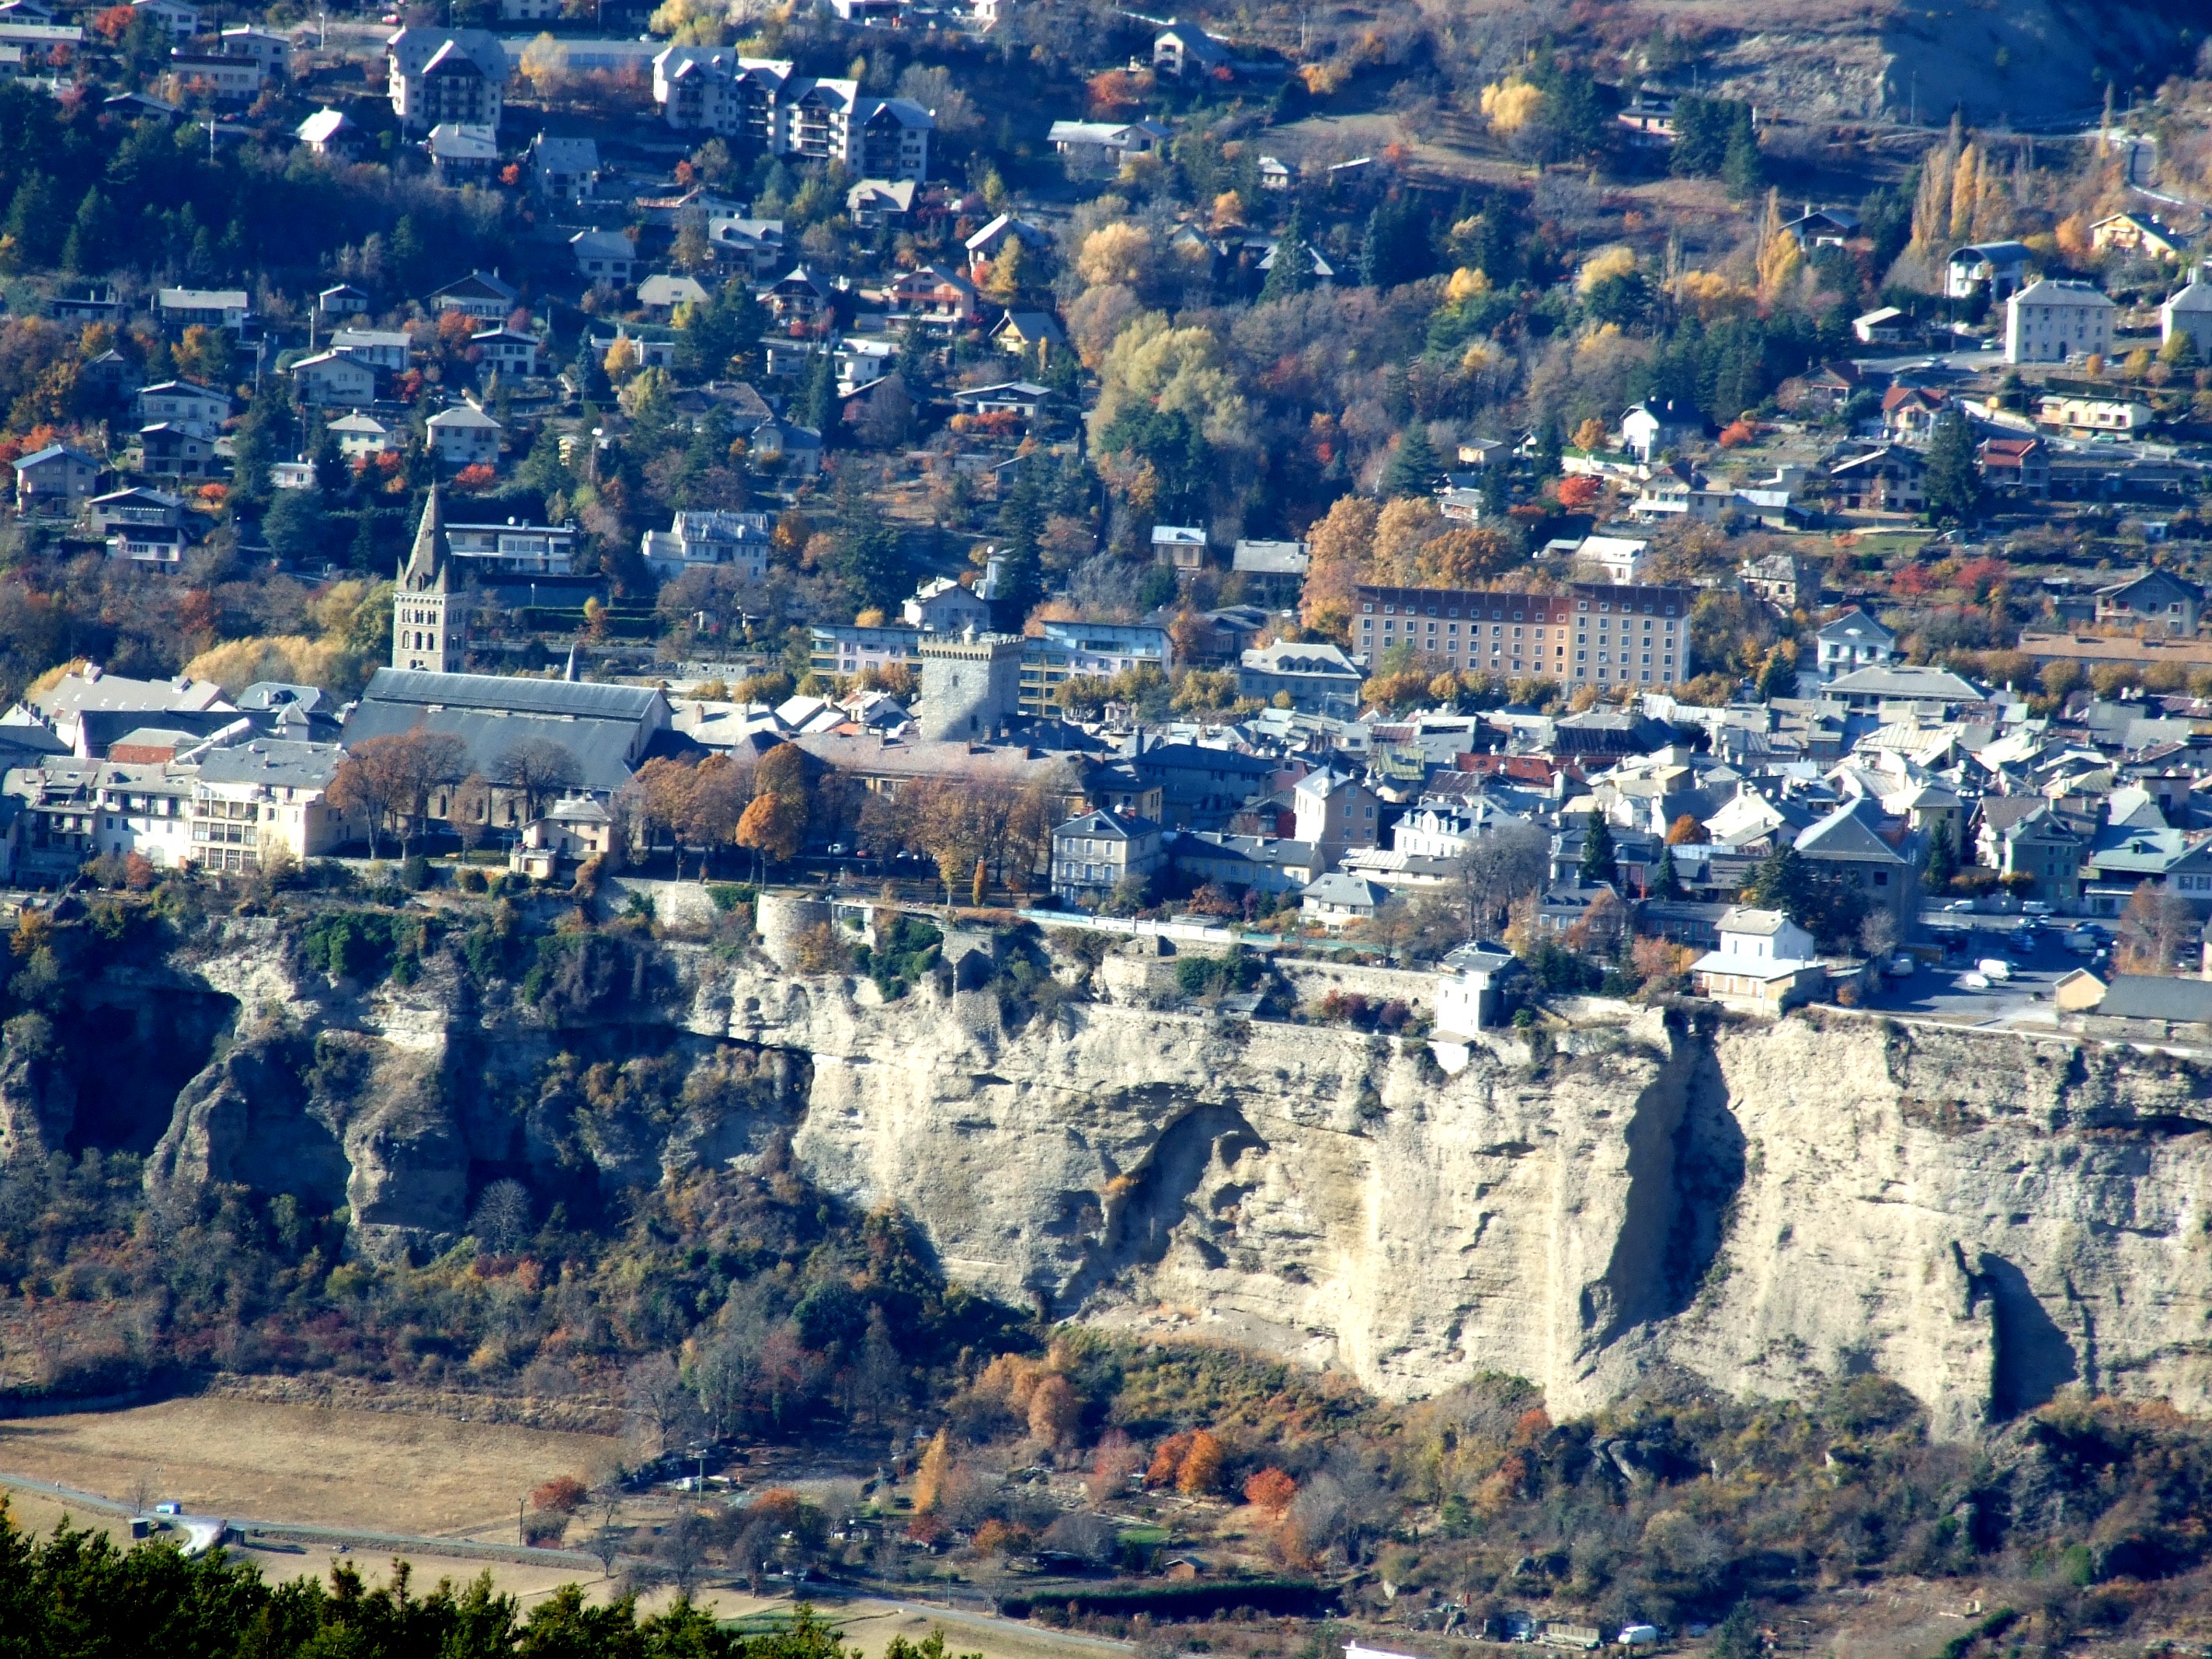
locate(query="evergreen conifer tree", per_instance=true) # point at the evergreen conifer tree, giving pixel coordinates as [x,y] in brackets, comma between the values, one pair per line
[1601,859]
[1413,464]
[1292,270]
[1953,485]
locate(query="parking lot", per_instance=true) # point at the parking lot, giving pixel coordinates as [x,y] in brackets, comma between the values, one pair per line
[1939,990]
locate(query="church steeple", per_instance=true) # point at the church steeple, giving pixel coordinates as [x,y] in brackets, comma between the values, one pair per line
[425,569]
[423,611]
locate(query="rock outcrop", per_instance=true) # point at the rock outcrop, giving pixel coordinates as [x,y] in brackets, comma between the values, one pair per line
[1985,1218]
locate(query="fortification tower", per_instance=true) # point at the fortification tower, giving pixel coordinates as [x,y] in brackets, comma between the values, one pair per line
[971,686]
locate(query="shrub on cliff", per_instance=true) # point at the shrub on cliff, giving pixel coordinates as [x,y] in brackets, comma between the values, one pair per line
[364,946]
[582,975]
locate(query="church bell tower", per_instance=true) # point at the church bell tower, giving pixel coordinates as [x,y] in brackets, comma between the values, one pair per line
[422,605]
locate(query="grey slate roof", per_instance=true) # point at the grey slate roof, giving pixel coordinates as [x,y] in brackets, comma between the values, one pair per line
[1353,891]
[274,762]
[1107,826]
[2146,996]
[575,698]
[1850,832]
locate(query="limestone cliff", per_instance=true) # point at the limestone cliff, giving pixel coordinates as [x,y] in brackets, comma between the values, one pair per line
[1985,1218]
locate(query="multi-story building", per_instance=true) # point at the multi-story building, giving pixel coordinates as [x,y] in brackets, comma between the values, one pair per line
[1093,854]
[215,74]
[1591,633]
[266,798]
[1083,650]
[2057,318]
[844,649]
[512,549]
[737,541]
[2188,311]
[463,436]
[54,481]
[2157,602]
[1335,810]
[180,308]
[380,348]
[270,50]
[1890,479]
[1854,640]
[759,102]
[185,405]
[447,75]
[564,169]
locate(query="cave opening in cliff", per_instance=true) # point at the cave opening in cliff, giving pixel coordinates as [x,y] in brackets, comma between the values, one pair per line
[129,1060]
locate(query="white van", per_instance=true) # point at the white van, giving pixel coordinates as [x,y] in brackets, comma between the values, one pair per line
[1994,968]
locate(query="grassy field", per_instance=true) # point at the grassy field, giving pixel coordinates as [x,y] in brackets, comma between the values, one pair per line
[385,1472]
[327,1467]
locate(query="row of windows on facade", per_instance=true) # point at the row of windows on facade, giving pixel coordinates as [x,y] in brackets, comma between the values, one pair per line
[170,807]
[1498,629]
[1603,606]
[1449,646]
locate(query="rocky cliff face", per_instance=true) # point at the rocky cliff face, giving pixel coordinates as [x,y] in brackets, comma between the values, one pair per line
[1985,1219]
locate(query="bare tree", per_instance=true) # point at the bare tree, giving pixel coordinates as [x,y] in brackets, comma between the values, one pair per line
[607,1535]
[1878,932]
[659,1404]
[1502,865]
[145,1486]
[502,1220]
[2157,927]
[722,1378]
[468,811]
[684,1547]
[536,767]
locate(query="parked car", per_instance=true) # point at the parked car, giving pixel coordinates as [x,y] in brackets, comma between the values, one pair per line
[1994,967]
[1904,965]
[2034,908]
[1974,981]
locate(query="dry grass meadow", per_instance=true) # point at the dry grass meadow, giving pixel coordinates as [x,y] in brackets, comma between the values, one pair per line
[326,1466]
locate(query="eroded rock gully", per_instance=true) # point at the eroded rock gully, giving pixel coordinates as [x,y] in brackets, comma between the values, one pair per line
[1983,1218]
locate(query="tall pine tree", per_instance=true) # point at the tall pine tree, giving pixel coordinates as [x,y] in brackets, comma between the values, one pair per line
[1292,270]
[1413,464]
[1601,859]
[1953,486]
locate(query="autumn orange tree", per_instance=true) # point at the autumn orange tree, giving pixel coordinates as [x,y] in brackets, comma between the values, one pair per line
[774,823]
[1271,1490]
[388,781]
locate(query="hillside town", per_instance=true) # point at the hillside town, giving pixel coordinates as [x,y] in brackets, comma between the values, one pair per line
[1234,833]
[713,467]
